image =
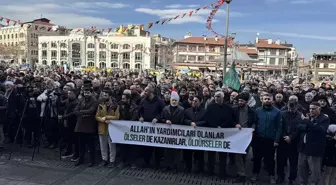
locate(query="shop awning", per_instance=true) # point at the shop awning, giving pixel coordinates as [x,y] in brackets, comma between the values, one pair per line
[193,68]
[181,67]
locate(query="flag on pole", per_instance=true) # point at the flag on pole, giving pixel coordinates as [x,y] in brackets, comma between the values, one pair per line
[231,78]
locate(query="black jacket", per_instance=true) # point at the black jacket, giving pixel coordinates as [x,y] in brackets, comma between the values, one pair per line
[173,114]
[330,113]
[3,109]
[69,114]
[314,133]
[194,115]
[220,116]
[290,123]
[128,111]
[252,117]
[150,109]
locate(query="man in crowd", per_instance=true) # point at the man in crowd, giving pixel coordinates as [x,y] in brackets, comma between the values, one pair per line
[313,132]
[86,125]
[246,118]
[267,137]
[149,111]
[107,110]
[288,145]
[219,115]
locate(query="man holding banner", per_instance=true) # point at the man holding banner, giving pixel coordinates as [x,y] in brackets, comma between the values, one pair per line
[219,115]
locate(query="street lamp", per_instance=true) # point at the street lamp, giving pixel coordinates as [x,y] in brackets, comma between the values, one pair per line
[226,35]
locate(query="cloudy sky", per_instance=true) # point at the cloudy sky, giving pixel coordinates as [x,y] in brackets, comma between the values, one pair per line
[308,24]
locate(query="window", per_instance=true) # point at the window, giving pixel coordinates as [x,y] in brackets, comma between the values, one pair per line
[76,50]
[44,45]
[272,61]
[137,66]
[114,56]
[182,58]
[44,53]
[126,46]
[126,56]
[114,65]
[281,61]
[16,35]
[201,48]
[192,48]
[53,45]
[44,62]
[114,46]
[102,65]
[182,48]
[53,53]
[200,58]
[91,54]
[90,64]
[191,58]
[90,45]
[273,51]
[63,45]
[102,54]
[282,52]
[102,46]
[126,66]
[212,49]
[64,53]
[138,56]
[53,62]
[138,47]
[261,51]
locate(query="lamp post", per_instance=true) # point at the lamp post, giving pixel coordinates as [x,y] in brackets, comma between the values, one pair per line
[226,35]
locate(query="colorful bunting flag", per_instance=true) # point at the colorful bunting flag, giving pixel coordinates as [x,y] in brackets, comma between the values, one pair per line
[36,27]
[109,30]
[150,25]
[190,13]
[163,21]
[197,10]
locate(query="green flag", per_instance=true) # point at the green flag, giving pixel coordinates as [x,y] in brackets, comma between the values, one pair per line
[231,78]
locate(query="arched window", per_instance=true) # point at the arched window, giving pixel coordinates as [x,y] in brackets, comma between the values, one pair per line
[114,46]
[53,62]
[102,46]
[126,66]
[126,46]
[90,64]
[137,66]
[102,65]
[63,45]
[44,45]
[76,49]
[114,65]
[53,45]
[138,47]
[44,62]
[91,45]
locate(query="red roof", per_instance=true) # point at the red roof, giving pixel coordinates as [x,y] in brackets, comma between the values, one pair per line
[249,51]
[207,41]
[264,44]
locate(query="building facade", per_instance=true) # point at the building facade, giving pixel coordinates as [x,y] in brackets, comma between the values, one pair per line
[199,52]
[102,49]
[273,57]
[19,44]
[164,53]
[323,64]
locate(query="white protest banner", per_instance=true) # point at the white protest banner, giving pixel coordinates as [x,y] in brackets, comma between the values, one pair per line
[231,140]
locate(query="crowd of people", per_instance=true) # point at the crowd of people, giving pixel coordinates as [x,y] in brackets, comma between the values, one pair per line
[292,123]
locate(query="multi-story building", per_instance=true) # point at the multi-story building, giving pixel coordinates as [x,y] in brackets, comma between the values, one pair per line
[323,64]
[136,50]
[164,53]
[273,56]
[19,44]
[197,52]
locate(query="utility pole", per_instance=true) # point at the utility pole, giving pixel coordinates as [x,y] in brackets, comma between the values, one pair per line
[226,36]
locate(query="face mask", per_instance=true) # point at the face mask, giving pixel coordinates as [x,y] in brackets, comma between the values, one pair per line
[173,104]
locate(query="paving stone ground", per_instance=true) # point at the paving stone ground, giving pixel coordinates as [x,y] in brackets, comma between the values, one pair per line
[48,169]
